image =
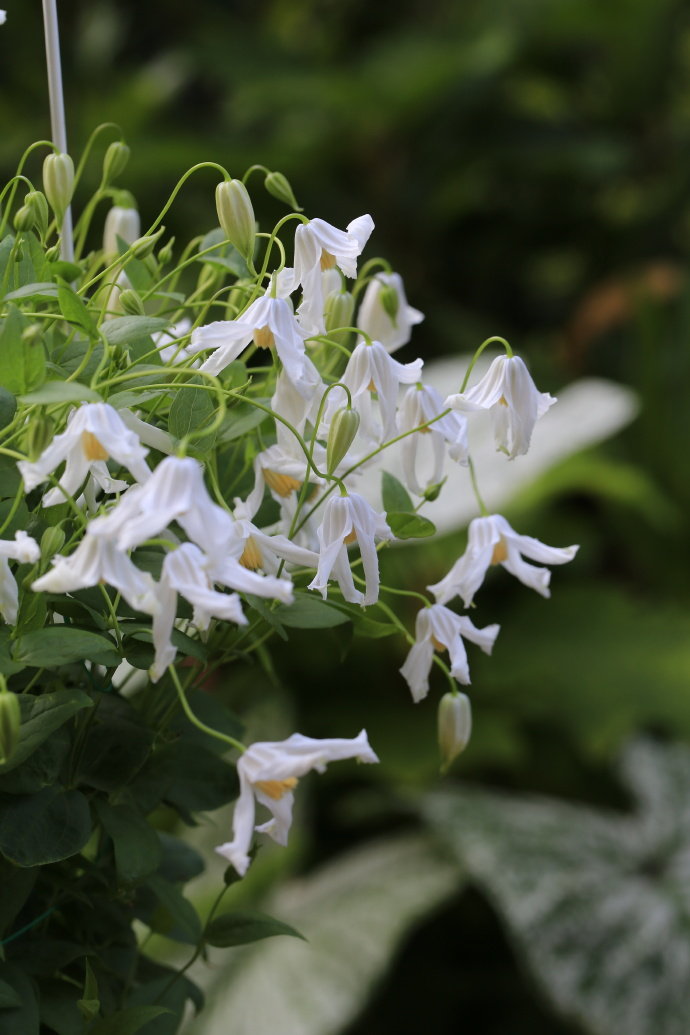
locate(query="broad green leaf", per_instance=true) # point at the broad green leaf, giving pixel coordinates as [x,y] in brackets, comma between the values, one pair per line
[202,780]
[59,1008]
[116,745]
[13,353]
[129,1021]
[9,479]
[37,829]
[410,526]
[8,996]
[61,392]
[24,1018]
[40,716]
[176,917]
[597,902]
[394,494]
[243,926]
[137,848]
[46,290]
[224,254]
[61,645]
[373,630]
[354,913]
[127,330]
[173,994]
[241,419]
[192,408]
[179,861]
[41,768]
[8,407]
[16,885]
[309,612]
[127,399]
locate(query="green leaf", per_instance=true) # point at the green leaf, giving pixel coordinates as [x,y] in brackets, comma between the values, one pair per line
[395,495]
[22,1019]
[37,829]
[410,526]
[22,365]
[176,917]
[243,926]
[241,419]
[47,290]
[74,310]
[596,901]
[373,630]
[42,767]
[59,1008]
[224,255]
[202,781]
[192,408]
[8,407]
[61,645]
[8,996]
[127,330]
[61,392]
[40,716]
[128,1021]
[136,844]
[179,861]
[309,612]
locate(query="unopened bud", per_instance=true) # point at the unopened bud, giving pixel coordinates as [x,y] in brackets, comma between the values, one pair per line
[58,182]
[38,435]
[121,222]
[24,219]
[341,435]
[454,726]
[114,161]
[10,721]
[143,246]
[279,187]
[37,202]
[390,300]
[52,540]
[166,253]
[131,303]
[338,310]
[432,492]
[236,215]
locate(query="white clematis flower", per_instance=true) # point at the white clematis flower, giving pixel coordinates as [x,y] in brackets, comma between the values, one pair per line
[391,324]
[97,560]
[25,550]
[491,540]
[348,519]
[3,17]
[510,395]
[269,323]
[268,773]
[264,552]
[168,342]
[420,404]
[95,432]
[437,628]
[371,369]
[320,246]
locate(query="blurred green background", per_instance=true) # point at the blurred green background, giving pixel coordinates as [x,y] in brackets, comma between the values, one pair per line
[527,166]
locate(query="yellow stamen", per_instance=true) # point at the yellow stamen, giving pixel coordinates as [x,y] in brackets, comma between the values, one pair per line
[275,789]
[283,484]
[371,387]
[263,337]
[93,449]
[327,260]
[350,538]
[502,401]
[500,553]
[251,555]
[437,644]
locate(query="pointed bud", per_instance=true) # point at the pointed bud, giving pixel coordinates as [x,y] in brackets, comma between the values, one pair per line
[24,219]
[432,492]
[131,303]
[279,187]
[144,246]
[341,435]
[52,541]
[10,721]
[58,182]
[236,215]
[122,222]
[38,435]
[166,253]
[339,308]
[454,726]
[114,161]
[36,200]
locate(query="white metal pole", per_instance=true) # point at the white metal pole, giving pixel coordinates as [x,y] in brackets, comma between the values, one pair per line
[57,108]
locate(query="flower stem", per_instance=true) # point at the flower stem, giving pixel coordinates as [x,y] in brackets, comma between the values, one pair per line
[57,109]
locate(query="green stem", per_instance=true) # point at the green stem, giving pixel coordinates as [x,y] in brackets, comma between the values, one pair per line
[238,745]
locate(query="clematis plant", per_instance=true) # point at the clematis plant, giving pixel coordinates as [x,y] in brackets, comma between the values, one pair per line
[182,436]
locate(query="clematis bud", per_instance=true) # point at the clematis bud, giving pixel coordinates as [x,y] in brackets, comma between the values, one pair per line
[166,253]
[390,300]
[454,726]
[38,435]
[131,303]
[58,182]
[115,160]
[279,187]
[10,721]
[341,435]
[36,201]
[52,541]
[143,246]
[338,311]
[24,219]
[236,215]
[123,222]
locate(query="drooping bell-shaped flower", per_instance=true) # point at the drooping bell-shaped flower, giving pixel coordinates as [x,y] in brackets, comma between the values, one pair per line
[491,540]
[320,246]
[349,519]
[25,550]
[438,628]
[420,404]
[371,369]
[268,773]
[384,314]
[510,395]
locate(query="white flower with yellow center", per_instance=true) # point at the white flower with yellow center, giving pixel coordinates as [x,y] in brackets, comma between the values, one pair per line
[510,395]
[95,432]
[349,519]
[437,628]
[25,550]
[268,772]
[491,540]
[384,314]
[264,552]
[318,247]
[370,370]
[420,404]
